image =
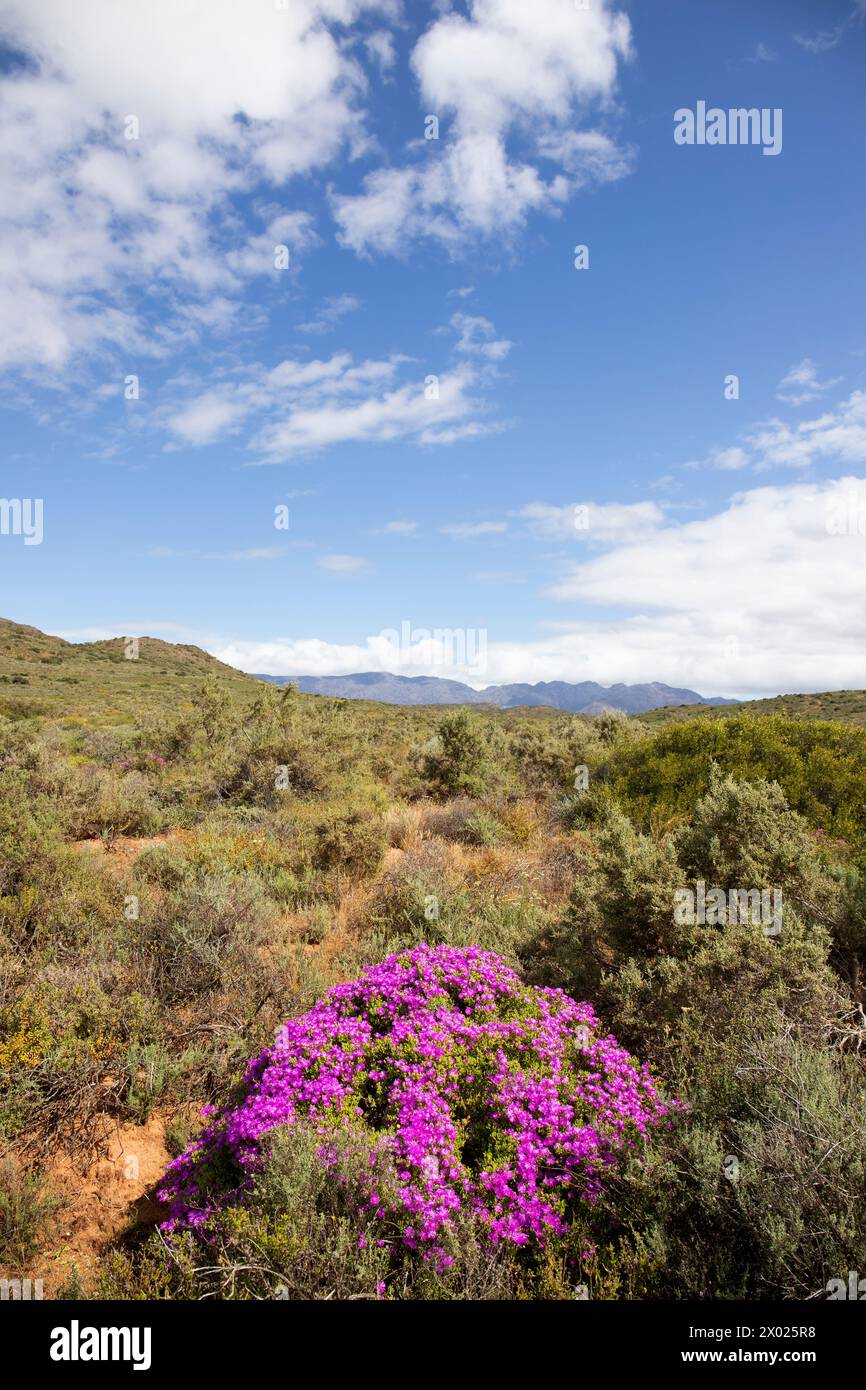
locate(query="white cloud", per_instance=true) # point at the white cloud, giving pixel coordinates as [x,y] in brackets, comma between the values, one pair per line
[403,412]
[838,434]
[178,632]
[592,521]
[304,407]
[469,530]
[588,156]
[257,552]
[823,41]
[498,577]
[380,45]
[206,419]
[262,552]
[507,83]
[827,39]
[225,96]
[765,573]
[801,383]
[257,254]
[760,598]
[762,53]
[343,564]
[477,337]
[401,528]
[331,311]
[507,59]
[472,429]
[729,460]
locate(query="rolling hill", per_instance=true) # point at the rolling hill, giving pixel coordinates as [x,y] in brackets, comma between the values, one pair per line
[41,674]
[846,706]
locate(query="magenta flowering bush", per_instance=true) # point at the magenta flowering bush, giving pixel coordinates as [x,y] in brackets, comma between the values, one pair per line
[472,1090]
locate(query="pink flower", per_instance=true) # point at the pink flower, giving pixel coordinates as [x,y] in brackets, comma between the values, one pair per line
[382,1058]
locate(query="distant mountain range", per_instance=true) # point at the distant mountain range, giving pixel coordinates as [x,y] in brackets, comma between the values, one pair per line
[45,675]
[587,697]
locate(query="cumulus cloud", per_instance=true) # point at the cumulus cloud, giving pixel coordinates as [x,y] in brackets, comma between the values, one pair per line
[380,46]
[507,82]
[218,96]
[588,156]
[769,576]
[258,254]
[764,595]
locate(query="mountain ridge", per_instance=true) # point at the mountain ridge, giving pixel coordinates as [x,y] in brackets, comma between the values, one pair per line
[582,697]
[44,675]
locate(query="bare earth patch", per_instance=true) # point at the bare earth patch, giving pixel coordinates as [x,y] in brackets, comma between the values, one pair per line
[100,1199]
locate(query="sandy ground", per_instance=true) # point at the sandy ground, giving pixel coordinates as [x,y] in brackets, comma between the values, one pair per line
[100,1199]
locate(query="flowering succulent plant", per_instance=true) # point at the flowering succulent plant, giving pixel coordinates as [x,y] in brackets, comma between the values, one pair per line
[472,1090]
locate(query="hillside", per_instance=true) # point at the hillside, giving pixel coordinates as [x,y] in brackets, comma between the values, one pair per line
[846,706]
[41,674]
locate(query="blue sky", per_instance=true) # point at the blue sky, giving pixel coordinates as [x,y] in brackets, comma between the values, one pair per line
[722,547]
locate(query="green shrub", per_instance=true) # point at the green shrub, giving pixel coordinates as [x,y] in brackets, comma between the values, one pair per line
[163,866]
[466,823]
[27,1211]
[352,842]
[204,936]
[148,1070]
[317,923]
[769,1190]
[820,766]
[104,800]
[456,759]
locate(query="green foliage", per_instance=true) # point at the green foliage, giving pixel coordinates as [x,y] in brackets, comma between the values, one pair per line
[302,1237]
[769,1187]
[456,760]
[620,940]
[148,1070]
[466,822]
[739,1022]
[821,767]
[352,842]
[27,1211]
[317,923]
[423,900]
